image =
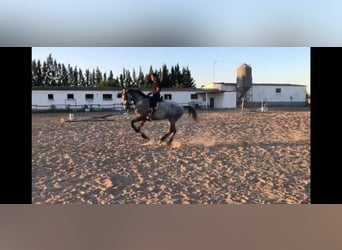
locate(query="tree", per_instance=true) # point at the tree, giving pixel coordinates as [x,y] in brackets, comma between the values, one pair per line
[176,76]
[75,76]
[140,80]
[64,78]
[111,78]
[80,78]
[34,73]
[93,79]
[87,78]
[147,81]
[128,79]
[188,82]
[39,76]
[71,76]
[98,76]
[121,81]
[117,82]
[45,79]
[51,73]
[59,74]
[165,78]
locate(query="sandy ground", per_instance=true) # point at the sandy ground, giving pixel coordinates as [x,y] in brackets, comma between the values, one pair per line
[226,158]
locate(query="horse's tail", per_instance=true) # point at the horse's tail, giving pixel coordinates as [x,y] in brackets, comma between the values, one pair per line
[193,112]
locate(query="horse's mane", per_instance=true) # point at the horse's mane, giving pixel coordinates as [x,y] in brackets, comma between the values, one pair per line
[138,91]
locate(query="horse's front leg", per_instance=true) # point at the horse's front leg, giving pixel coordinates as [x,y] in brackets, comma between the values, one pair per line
[142,121]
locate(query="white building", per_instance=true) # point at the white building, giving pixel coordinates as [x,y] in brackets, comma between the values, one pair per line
[279,94]
[274,94]
[213,95]
[47,98]
[204,97]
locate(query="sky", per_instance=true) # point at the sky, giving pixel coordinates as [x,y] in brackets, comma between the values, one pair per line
[206,64]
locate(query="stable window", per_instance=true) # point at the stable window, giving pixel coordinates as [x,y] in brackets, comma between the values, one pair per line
[89,96]
[50,96]
[107,97]
[70,96]
[167,97]
[194,96]
[278,90]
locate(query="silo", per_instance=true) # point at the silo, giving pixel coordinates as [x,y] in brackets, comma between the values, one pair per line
[243,80]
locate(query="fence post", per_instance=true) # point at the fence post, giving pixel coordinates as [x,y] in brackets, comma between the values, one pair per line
[243,102]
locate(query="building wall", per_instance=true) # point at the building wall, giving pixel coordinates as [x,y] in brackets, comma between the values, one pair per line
[290,94]
[60,100]
[287,95]
[229,87]
[259,93]
[180,97]
[225,100]
[221,99]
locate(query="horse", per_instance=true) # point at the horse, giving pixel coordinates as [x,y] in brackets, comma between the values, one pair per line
[170,111]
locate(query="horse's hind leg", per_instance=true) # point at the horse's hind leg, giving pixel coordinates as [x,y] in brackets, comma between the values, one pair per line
[172,131]
[165,136]
[171,139]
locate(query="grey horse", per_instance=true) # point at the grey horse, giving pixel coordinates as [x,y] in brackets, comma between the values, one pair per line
[170,111]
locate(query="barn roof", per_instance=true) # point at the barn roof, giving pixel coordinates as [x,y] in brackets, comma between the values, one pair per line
[278,84]
[119,89]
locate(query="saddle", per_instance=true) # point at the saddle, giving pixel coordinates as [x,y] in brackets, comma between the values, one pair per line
[156,106]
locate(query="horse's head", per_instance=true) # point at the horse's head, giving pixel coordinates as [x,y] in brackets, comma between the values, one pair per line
[131,97]
[125,99]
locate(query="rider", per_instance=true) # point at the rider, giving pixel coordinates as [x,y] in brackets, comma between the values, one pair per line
[155,95]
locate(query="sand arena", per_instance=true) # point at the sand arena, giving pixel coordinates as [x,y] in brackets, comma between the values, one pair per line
[226,158]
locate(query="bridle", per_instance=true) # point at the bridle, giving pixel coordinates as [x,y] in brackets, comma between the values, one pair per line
[126,99]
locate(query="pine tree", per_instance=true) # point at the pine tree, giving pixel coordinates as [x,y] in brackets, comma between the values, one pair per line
[148,82]
[188,82]
[140,81]
[59,74]
[165,77]
[98,76]
[75,76]
[71,80]
[87,78]
[45,78]
[177,77]
[34,70]
[128,79]
[134,78]
[80,78]
[51,73]
[39,79]
[64,76]
[93,79]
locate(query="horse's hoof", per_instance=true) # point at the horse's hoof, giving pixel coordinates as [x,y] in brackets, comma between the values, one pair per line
[144,136]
